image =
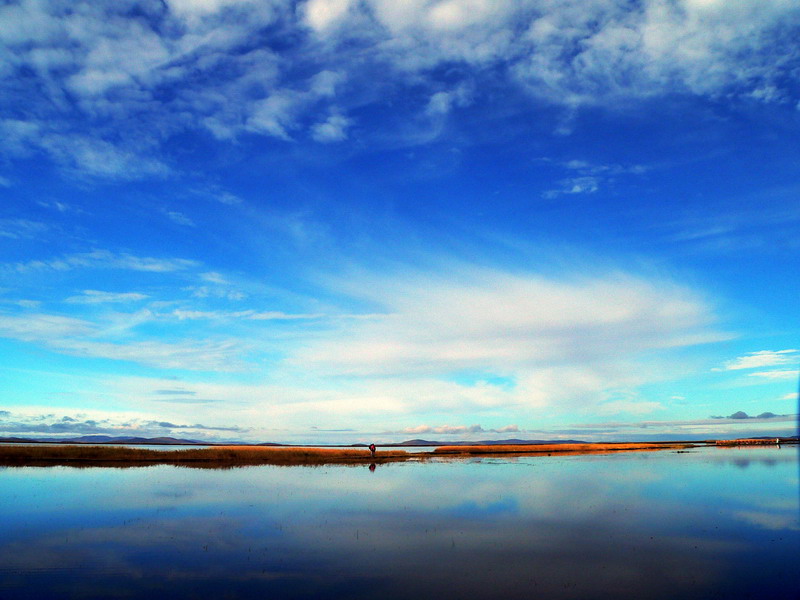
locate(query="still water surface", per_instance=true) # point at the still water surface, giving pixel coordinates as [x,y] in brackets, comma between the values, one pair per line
[710,523]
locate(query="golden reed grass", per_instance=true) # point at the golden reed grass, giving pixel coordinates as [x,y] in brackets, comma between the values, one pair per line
[232,456]
[222,455]
[750,442]
[559,448]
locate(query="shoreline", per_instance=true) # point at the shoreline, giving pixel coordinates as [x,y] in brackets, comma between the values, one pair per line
[78,455]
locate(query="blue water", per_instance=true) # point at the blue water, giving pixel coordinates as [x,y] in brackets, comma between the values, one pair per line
[710,523]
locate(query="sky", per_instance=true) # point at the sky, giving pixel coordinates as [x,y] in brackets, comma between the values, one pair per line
[339,221]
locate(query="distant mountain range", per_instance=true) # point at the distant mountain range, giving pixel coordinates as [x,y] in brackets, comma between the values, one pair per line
[171,441]
[105,439]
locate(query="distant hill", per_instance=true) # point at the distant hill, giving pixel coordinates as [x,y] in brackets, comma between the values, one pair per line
[511,442]
[105,439]
[171,441]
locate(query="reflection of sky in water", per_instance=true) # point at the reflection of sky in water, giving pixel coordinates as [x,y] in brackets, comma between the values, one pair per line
[648,525]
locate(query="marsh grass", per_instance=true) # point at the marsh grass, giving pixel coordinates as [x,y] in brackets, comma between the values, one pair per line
[558,448]
[222,456]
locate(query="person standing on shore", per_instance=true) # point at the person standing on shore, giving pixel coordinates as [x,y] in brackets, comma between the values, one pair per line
[372,450]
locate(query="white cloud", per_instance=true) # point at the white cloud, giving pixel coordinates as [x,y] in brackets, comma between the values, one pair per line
[180,218]
[18,229]
[334,129]
[494,320]
[772,375]
[37,327]
[275,115]
[210,57]
[83,154]
[575,185]
[321,14]
[79,337]
[587,177]
[770,519]
[191,355]
[214,277]
[710,424]
[189,315]
[99,297]
[760,359]
[205,291]
[103,259]
[564,345]
[193,10]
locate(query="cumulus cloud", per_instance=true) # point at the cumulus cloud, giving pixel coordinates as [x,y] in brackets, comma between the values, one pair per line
[105,87]
[322,14]
[334,129]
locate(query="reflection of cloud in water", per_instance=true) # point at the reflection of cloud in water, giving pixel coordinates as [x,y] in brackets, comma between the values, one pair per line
[395,559]
[771,520]
[597,527]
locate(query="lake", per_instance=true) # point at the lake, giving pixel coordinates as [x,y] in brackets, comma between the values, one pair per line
[707,523]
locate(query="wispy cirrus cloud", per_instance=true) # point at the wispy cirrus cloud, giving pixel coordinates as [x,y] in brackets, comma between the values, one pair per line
[760,359]
[709,424]
[587,178]
[101,297]
[17,229]
[102,259]
[489,319]
[179,218]
[773,375]
[79,337]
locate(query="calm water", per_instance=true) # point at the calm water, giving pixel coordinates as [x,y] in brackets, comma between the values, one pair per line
[712,523]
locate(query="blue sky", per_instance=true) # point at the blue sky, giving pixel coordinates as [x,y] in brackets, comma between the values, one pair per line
[342,220]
